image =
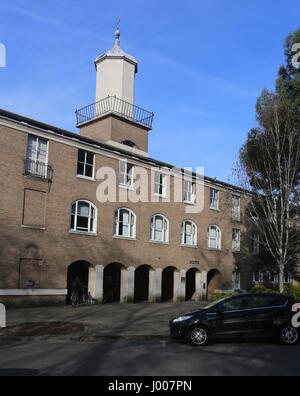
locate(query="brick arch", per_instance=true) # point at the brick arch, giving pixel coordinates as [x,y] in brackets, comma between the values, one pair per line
[167,283]
[78,273]
[213,281]
[112,282]
[190,283]
[142,283]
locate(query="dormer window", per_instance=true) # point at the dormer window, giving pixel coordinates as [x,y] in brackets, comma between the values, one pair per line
[129,143]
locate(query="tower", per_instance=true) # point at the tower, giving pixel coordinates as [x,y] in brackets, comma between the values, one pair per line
[115,73]
[114,118]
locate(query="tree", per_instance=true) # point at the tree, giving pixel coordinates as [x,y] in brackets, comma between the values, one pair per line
[270,164]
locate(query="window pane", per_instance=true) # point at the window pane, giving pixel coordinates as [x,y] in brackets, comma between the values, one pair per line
[90,158]
[83,209]
[158,235]
[73,208]
[72,221]
[123,166]
[92,225]
[125,230]
[159,223]
[92,212]
[213,232]
[188,239]
[42,146]
[80,169]
[81,155]
[124,216]
[89,171]
[82,222]
[188,228]
[213,243]
[157,177]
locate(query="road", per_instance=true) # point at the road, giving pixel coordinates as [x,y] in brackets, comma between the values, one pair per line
[120,357]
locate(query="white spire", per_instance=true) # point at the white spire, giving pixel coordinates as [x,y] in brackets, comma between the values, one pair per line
[117,42]
[116,72]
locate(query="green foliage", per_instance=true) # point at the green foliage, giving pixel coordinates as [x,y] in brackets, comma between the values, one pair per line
[289,290]
[218,296]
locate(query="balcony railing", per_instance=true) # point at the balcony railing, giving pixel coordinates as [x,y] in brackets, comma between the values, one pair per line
[112,104]
[39,170]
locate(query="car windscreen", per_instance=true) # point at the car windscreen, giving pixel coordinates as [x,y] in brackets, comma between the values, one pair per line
[215,303]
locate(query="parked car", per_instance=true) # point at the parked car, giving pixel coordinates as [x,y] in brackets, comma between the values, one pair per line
[244,316]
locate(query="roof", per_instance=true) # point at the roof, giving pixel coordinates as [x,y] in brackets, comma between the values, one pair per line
[117,53]
[71,135]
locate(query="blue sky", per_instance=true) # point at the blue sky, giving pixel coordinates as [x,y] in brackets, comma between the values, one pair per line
[202,64]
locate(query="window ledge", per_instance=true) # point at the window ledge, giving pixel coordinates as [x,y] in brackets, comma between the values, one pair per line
[83,233]
[123,238]
[33,227]
[214,249]
[189,203]
[123,187]
[37,178]
[160,196]
[159,242]
[189,246]
[215,209]
[86,178]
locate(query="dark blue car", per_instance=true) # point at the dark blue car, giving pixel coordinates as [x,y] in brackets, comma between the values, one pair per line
[244,316]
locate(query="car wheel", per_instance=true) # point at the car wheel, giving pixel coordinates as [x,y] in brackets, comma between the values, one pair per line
[198,336]
[289,335]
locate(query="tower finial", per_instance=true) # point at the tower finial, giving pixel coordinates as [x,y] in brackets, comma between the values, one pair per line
[117,43]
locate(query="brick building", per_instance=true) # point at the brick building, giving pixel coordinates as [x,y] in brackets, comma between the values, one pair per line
[55,228]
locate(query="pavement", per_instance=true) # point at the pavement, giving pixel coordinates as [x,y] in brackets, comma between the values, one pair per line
[131,340]
[132,321]
[141,358]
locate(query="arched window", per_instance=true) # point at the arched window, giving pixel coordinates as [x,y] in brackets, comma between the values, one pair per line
[188,233]
[213,237]
[84,217]
[159,228]
[129,143]
[125,223]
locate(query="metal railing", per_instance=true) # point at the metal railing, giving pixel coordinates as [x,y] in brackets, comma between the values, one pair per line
[112,104]
[38,169]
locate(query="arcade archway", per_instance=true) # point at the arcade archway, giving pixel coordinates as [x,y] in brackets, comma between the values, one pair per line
[213,281]
[141,283]
[167,285]
[77,272]
[112,283]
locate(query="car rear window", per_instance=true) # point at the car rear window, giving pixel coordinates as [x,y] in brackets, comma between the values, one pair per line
[266,301]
